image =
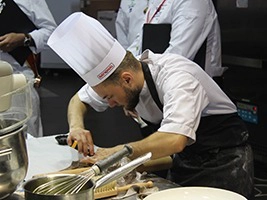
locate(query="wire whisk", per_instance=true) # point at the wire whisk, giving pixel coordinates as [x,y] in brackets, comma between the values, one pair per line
[70,184]
[74,183]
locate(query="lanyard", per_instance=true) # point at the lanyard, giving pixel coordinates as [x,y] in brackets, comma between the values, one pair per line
[156,12]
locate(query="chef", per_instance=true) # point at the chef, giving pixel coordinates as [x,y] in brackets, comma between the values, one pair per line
[193,23]
[191,116]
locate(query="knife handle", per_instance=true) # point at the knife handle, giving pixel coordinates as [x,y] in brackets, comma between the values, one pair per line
[114,158]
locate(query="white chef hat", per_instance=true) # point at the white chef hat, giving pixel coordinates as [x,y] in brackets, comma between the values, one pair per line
[87,47]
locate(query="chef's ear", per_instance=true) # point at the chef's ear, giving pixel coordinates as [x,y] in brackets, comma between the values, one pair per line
[127,78]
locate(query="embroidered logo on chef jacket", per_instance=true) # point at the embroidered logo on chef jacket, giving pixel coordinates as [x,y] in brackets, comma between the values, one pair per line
[2,4]
[131,6]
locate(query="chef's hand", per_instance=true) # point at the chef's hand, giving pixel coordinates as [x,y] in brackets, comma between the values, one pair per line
[100,154]
[84,140]
[10,41]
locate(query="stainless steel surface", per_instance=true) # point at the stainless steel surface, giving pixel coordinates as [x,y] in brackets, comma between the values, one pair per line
[5,153]
[13,161]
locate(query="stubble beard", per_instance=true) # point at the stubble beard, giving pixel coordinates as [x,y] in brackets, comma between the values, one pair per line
[132,97]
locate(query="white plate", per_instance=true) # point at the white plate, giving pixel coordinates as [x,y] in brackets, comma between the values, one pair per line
[195,193]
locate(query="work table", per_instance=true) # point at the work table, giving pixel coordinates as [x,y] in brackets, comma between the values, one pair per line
[46,155]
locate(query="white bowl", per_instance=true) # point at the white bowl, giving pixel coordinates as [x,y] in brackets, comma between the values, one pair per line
[195,193]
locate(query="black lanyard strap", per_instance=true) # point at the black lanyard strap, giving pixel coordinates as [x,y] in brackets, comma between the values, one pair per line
[151,85]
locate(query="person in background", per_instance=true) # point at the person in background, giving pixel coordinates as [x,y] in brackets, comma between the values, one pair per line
[130,20]
[193,23]
[193,119]
[39,14]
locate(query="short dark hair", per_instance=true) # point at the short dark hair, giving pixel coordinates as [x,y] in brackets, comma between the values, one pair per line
[128,62]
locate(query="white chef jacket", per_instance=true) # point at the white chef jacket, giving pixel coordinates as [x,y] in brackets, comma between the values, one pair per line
[185,90]
[130,20]
[193,21]
[39,13]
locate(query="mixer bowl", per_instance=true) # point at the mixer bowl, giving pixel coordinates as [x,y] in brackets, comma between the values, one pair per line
[13,161]
[15,110]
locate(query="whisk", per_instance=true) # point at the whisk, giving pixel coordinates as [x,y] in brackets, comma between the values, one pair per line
[73,184]
[77,183]
[69,184]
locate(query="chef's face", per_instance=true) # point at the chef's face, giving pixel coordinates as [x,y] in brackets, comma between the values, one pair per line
[119,95]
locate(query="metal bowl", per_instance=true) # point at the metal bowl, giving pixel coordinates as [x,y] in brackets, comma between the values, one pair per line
[86,192]
[13,161]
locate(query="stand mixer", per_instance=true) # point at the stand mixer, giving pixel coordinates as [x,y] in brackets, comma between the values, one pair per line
[15,110]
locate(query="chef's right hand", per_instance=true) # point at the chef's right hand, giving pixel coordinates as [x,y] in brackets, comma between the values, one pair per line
[84,140]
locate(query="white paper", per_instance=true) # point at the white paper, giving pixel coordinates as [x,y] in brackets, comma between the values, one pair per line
[46,155]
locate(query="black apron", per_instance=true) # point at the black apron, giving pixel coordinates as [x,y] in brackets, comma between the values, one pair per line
[220,157]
